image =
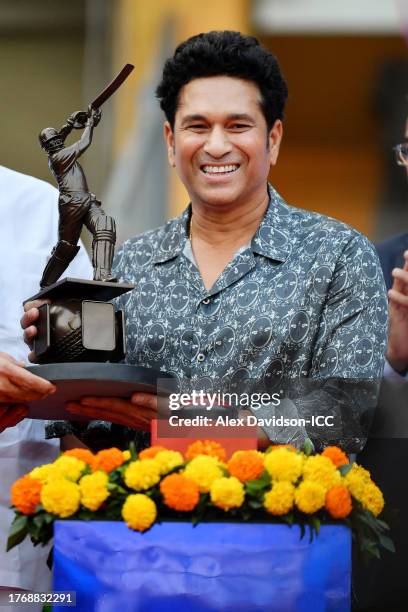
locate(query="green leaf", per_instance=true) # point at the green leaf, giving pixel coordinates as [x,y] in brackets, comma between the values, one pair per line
[18,531]
[344,469]
[315,522]
[308,447]
[386,543]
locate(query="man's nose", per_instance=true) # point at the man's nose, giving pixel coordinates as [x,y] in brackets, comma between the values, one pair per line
[217,143]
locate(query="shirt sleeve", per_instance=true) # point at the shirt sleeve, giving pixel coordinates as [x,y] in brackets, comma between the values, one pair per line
[348,358]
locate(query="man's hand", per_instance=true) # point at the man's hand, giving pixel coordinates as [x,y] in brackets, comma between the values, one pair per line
[136,413]
[11,415]
[397,349]
[18,385]
[27,322]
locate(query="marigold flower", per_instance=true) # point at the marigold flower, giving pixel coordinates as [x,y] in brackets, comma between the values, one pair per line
[290,447]
[80,453]
[69,467]
[139,512]
[205,447]
[141,475]
[126,455]
[310,496]
[227,493]
[94,490]
[279,500]
[356,480]
[167,460]
[179,492]
[25,494]
[246,465]
[151,452]
[60,497]
[372,499]
[283,464]
[44,473]
[335,454]
[204,470]
[338,502]
[321,470]
[107,460]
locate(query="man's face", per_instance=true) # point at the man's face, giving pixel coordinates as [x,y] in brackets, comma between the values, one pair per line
[220,145]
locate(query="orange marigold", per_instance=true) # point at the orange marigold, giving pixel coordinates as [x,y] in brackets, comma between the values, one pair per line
[179,492]
[246,465]
[336,455]
[288,446]
[107,460]
[81,453]
[25,494]
[151,452]
[338,502]
[205,447]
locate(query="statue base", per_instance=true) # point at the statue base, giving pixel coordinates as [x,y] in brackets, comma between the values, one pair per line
[76,380]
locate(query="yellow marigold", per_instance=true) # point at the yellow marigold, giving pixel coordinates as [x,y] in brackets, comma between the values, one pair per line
[310,496]
[338,502]
[141,475]
[321,470]
[126,455]
[167,460]
[139,512]
[275,447]
[107,460]
[94,490]
[372,499]
[69,467]
[283,464]
[25,494]
[246,465]
[279,500]
[80,453]
[205,447]
[335,454]
[151,452]
[179,492]
[44,473]
[227,493]
[61,497]
[203,470]
[356,480]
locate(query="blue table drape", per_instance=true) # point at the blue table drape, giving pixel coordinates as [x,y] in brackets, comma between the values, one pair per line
[213,567]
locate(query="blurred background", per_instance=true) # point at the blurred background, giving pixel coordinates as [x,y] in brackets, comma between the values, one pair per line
[345,62]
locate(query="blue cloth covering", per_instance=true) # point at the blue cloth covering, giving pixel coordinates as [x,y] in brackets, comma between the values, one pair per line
[212,567]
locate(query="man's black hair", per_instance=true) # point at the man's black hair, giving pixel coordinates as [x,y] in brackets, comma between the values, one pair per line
[224,53]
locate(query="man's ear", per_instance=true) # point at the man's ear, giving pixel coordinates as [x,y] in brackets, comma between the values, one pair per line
[169,138]
[274,140]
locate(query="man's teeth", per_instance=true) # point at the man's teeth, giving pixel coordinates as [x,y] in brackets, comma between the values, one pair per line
[220,169]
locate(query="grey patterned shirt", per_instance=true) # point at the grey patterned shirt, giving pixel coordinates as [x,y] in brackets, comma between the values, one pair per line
[305,298]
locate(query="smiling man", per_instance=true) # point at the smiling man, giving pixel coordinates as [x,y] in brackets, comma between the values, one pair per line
[243,289]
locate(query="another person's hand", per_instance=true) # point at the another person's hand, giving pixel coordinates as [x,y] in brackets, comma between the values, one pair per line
[397,349]
[136,413]
[18,385]
[28,321]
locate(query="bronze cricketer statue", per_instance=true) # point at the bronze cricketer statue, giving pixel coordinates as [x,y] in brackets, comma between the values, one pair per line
[77,206]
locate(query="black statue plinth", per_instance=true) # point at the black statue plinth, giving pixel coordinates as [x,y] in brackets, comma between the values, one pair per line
[79,324]
[75,380]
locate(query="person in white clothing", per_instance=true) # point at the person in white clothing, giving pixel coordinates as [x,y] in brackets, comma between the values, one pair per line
[28,230]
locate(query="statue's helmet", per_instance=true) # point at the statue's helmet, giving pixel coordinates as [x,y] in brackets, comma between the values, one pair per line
[50,139]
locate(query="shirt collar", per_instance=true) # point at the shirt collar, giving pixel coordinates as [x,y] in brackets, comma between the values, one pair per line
[271,239]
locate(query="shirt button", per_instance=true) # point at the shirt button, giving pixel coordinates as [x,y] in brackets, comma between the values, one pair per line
[200,357]
[206,301]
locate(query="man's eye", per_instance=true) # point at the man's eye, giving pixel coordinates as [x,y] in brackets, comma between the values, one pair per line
[239,127]
[197,126]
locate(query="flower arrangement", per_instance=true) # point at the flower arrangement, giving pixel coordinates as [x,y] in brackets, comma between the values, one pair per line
[282,485]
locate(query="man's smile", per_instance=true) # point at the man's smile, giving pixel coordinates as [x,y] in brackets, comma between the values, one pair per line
[224,169]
